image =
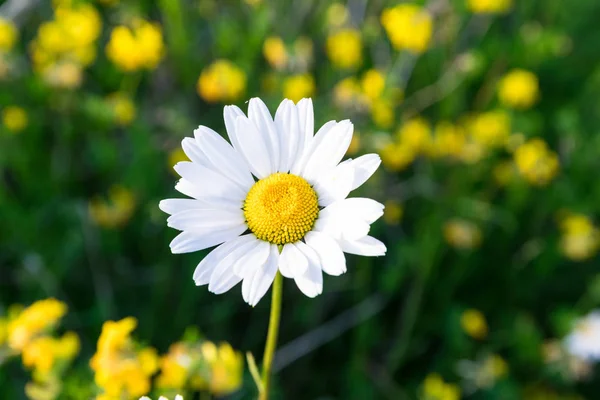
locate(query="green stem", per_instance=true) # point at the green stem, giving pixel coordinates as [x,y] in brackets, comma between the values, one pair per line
[271,336]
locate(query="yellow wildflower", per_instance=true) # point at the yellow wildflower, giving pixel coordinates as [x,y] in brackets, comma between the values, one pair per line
[489,6]
[14,118]
[123,108]
[536,162]
[518,89]
[337,15]
[135,48]
[227,370]
[42,353]
[490,129]
[580,239]
[33,320]
[382,113]
[275,52]
[408,26]
[462,234]
[344,48]
[347,93]
[449,140]
[8,35]
[115,335]
[416,134]
[117,211]
[175,367]
[393,212]
[66,75]
[397,157]
[373,83]
[474,324]
[222,81]
[297,87]
[434,388]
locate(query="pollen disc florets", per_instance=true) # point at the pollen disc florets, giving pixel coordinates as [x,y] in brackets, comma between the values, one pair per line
[281,208]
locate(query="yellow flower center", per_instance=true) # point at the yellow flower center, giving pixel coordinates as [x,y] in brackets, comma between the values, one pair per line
[281,208]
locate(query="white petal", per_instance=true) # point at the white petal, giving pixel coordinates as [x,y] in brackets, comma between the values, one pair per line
[260,115]
[206,267]
[364,167]
[230,114]
[329,151]
[288,128]
[189,189]
[310,144]
[362,208]
[172,206]
[187,242]
[292,262]
[335,184]
[254,146]
[206,221]
[339,228]
[330,253]
[192,150]
[306,118]
[311,281]
[256,285]
[223,157]
[366,246]
[208,183]
[252,260]
[224,278]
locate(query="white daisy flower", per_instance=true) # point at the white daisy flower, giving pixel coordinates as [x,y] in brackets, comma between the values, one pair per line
[275,199]
[584,341]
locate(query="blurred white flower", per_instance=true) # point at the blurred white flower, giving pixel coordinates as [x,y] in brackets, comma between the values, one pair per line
[274,200]
[584,341]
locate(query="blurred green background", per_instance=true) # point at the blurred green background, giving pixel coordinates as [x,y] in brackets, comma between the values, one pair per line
[486,116]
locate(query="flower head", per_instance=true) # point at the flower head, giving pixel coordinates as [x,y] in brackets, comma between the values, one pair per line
[408,26]
[462,234]
[536,162]
[8,35]
[297,87]
[138,47]
[14,118]
[584,341]
[221,81]
[474,324]
[33,320]
[518,89]
[580,239]
[344,48]
[489,6]
[284,185]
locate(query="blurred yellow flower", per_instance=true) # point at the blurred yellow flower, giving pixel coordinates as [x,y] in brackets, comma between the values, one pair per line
[434,388]
[222,81]
[518,89]
[8,35]
[580,239]
[297,87]
[65,75]
[397,157]
[337,15]
[177,155]
[536,162]
[490,129]
[122,107]
[449,140]
[373,83]
[14,118]
[275,52]
[462,234]
[382,113]
[393,212]
[137,47]
[408,26]
[42,353]
[514,141]
[416,134]
[344,48]
[489,6]
[474,324]
[347,93]
[116,211]
[34,319]
[120,370]
[227,369]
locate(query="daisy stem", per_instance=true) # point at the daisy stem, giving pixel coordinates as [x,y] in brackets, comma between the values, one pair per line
[271,335]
